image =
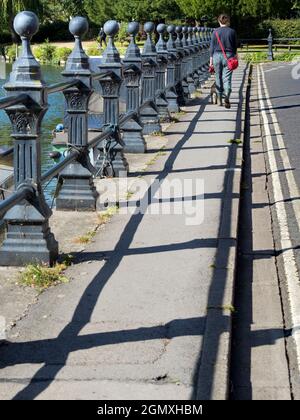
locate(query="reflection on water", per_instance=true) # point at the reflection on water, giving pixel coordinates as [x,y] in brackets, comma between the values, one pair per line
[53,116]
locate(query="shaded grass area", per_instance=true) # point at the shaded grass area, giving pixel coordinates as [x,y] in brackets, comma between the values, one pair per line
[262,57]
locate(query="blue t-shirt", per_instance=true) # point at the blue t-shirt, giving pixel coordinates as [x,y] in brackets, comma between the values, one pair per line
[228,38]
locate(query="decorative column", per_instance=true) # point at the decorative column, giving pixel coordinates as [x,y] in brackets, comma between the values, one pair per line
[149,110]
[204,55]
[188,61]
[78,192]
[171,93]
[270,46]
[181,83]
[197,76]
[207,45]
[28,238]
[162,63]
[200,55]
[111,68]
[192,57]
[132,65]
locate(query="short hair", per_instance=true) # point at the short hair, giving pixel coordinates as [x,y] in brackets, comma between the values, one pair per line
[224,19]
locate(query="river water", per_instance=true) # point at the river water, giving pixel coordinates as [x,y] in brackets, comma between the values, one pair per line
[54,116]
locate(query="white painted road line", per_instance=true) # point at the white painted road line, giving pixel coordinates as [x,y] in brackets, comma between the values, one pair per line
[290,267]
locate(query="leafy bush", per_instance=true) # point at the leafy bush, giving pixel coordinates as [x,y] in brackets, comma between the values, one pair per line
[287,57]
[54,31]
[256,57]
[122,35]
[93,50]
[11,52]
[61,54]
[260,57]
[282,28]
[250,28]
[5,37]
[45,52]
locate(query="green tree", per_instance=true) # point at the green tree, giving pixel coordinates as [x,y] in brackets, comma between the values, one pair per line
[9,8]
[99,11]
[145,10]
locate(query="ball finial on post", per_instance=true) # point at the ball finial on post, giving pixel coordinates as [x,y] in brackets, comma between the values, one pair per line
[171,29]
[78,26]
[161,28]
[26,24]
[111,54]
[149,27]
[133,28]
[111,28]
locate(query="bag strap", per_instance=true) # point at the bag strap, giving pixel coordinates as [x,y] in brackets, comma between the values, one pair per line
[221,45]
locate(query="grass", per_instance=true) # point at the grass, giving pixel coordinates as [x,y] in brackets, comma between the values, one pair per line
[229,308]
[86,239]
[197,95]
[151,162]
[161,153]
[105,216]
[158,134]
[180,114]
[129,195]
[256,57]
[235,141]
[41,277]
[262,57]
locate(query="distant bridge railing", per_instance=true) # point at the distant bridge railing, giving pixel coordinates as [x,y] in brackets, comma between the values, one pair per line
[155,83]
[272,43]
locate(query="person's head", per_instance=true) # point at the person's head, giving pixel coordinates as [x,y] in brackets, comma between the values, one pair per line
[224,20]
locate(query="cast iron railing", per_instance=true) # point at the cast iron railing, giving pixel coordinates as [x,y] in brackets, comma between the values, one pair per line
[154,82]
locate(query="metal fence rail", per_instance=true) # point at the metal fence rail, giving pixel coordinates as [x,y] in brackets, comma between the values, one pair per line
[150,85]
[271,43]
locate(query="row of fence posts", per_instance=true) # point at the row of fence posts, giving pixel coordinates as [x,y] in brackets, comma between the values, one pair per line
[157,82]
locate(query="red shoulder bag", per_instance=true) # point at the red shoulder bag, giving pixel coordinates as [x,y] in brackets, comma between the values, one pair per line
[232,63]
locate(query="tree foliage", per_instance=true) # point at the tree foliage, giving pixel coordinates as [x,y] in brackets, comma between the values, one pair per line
[98,11]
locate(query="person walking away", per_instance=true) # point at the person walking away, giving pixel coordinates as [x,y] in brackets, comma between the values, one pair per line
[102,37]
[225,37]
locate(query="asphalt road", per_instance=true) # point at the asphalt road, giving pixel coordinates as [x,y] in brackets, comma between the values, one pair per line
[283,85]
[285,97]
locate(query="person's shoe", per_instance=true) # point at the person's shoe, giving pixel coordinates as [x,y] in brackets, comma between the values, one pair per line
[227,103]
[220,101]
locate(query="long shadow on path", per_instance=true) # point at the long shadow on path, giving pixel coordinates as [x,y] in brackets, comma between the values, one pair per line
[84,310]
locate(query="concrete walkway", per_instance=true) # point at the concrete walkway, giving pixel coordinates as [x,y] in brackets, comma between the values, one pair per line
[147,314]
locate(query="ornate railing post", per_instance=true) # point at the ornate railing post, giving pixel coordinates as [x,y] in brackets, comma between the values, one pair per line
[111,68]
[162,62]
[201,72]
[204,54]
[28,238]
[192,57]
[270,46]
[207,44]
[149,110]
[181,83]
[78,192]
[132,129]
[188,61]
[171,93]
[196,58]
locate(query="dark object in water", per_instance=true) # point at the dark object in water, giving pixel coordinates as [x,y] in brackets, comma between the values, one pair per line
[55,155]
